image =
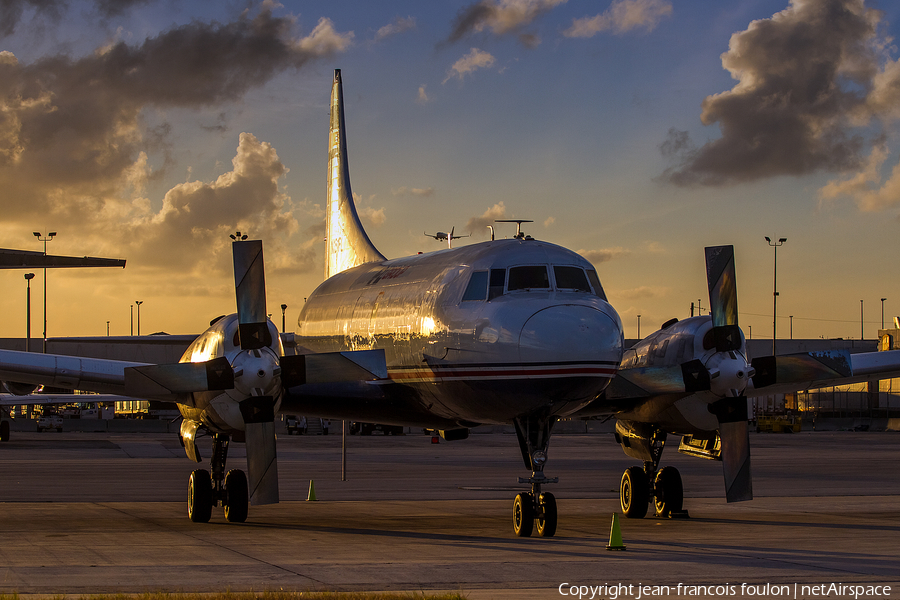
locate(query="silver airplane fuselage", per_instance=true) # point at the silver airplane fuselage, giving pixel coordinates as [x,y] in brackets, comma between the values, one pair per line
[485,333]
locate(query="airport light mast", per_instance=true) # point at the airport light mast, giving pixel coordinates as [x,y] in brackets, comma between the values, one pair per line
[139,302]
[775,245]
[49,238]
[28,278]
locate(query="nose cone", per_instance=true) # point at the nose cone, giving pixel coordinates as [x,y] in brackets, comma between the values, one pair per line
[572,333]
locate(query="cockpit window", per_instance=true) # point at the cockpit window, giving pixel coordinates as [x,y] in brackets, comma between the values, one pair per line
[571,278]
[528,278]
[498,280]
[595,281]
[477,288]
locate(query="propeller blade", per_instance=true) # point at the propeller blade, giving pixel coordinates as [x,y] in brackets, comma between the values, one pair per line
[722,283]
[151,381]
[262,464]
[734,433]
[332,367]
[250,289]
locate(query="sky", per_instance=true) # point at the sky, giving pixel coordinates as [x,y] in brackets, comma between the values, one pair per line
[634,132]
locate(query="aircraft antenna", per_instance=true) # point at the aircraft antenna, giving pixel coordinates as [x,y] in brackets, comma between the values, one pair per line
[518,222]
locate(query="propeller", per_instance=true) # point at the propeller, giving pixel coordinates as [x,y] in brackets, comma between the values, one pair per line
[258,374]
[729,373]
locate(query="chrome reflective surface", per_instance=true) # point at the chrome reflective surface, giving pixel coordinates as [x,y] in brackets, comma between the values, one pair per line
[348,243]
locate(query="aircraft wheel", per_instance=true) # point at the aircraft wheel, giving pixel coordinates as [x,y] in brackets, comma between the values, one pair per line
[668,492]
[236,496]
[523,515]
[4,431]
[200,496]
[634,493]
[546,523]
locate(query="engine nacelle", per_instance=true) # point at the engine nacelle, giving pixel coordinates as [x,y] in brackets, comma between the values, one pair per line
[639,440]
[675,344]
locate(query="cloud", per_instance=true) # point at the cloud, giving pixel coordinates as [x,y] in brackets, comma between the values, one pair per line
[604,255]
[501,17]
[405,191]
[549,221]
[804,79]
[397,27]
[422,97]
[12,11]
[622,16]
[71,129]
[475,59]
[196,215]
[478,226]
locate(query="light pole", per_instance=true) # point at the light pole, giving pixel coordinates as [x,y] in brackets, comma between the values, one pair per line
[107,329]
[792,326]
[639,326]
[283,308]
[139,302]
[28,278]
[775,245]
[49,238]
[882,312]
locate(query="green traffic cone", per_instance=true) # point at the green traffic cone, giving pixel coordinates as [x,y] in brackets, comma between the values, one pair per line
[615,535]
[312,492]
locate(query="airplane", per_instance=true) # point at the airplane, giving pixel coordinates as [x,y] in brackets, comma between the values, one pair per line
[505,331]
[446,237]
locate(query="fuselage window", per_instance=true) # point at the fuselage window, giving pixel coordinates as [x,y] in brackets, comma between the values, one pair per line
[498,280]
[528,278]
[477,288]
[595,281]
[571,278]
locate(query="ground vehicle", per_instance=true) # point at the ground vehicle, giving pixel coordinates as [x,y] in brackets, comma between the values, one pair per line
[369,428]
[295,424]
[778,424]
[46,422]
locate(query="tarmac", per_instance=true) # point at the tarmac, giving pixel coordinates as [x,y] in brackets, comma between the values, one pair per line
[90,513]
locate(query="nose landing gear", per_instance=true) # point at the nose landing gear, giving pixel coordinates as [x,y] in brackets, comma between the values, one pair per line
[535,507]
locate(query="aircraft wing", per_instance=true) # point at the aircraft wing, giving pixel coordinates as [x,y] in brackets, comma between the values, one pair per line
[50,399]
[123,378]
[812,370]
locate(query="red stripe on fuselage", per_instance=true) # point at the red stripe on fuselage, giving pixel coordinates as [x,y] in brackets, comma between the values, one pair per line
[494,373]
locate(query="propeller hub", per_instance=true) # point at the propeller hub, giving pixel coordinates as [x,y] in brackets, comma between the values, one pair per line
[257,373]
[729,373]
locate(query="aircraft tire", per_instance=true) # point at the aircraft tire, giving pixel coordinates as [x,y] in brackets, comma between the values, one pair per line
[200,496]
[523,515]
[4,431]
[668,492]
[546,523]
[634,493]
[236,496]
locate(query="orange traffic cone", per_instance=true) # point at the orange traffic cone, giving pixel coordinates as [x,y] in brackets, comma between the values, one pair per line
[615,535]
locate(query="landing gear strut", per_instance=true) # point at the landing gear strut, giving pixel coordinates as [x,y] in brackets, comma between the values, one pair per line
[206,491]
[537,507]
[641,485]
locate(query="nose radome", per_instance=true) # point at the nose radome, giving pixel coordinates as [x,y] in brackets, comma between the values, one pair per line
[570,333]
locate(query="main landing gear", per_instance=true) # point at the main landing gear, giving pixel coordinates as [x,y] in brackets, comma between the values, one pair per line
[666,491]
[205,491]
[537,507]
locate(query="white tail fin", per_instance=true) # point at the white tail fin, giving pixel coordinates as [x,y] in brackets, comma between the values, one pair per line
[346,242]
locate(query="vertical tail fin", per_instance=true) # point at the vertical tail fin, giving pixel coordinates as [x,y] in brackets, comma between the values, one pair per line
[346,242]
